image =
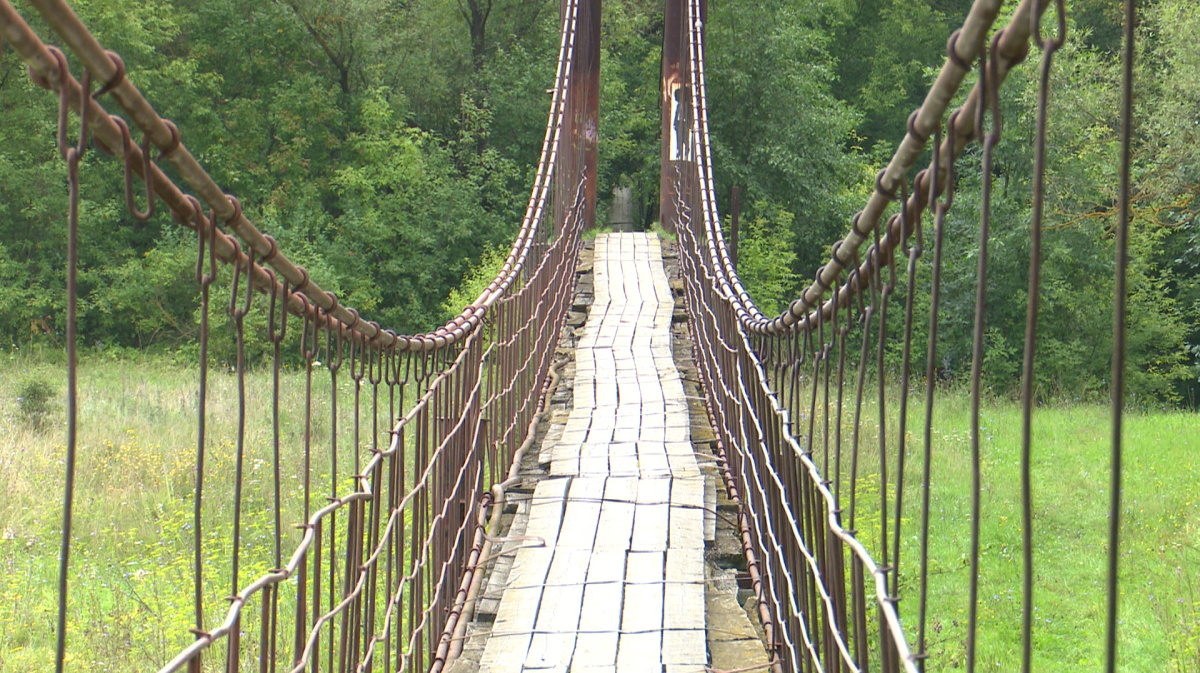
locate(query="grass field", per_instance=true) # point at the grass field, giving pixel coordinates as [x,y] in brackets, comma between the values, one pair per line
[1160,546]
[131,578]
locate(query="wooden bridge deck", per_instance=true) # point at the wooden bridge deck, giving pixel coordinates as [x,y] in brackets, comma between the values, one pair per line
[619,584]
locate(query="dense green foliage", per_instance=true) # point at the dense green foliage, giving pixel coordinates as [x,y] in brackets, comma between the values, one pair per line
[359,134]
[1077,287]
[809,100]
[388,145]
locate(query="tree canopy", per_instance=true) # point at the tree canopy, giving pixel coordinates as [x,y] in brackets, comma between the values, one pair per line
[390,144]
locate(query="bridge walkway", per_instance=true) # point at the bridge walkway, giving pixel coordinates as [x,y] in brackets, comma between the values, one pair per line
[619,584]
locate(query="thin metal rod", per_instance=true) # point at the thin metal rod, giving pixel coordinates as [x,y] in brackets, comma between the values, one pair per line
[1120,293]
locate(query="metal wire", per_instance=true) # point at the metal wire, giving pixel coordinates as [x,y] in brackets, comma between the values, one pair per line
[73,156]
[383,569]
[461,400]
[817,574]
[1118,350]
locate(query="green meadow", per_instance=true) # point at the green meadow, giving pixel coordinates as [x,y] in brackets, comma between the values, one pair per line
[1159,594]
[131,559]
[131,576]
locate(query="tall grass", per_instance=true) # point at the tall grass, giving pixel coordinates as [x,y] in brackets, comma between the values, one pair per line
[131,560]
[1160,542]
[131,577]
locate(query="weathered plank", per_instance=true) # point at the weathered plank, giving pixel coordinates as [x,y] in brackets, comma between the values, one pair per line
[620,584]
[600,622]
[640,645]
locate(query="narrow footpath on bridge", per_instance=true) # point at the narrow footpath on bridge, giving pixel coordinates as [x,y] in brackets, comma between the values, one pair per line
[619,583]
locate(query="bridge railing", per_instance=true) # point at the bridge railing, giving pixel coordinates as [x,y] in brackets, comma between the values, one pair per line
[386,555]
[823,549]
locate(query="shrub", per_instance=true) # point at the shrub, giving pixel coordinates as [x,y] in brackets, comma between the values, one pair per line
[35,401]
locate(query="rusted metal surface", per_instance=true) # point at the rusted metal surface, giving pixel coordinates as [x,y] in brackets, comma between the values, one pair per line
[768,380]
[779,392]
[381,571]
[73,156]
[1012,45]
[674,55]
[373,569]
[107,67]
[1120,297]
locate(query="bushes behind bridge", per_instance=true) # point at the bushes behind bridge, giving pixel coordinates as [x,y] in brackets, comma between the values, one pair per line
[388,145]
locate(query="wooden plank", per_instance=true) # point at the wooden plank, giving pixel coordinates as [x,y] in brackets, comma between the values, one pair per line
[564,459]
[505,553]
[687,647]
[640,645]
[507,646]
[546,509]
[625,435]
[547,448]
[562,599]
[600,622]
[652,515]
[683,606]
[626,420]
[623,587]
[553,642]
[593,460]
[653,434]
[652,420]
[652,460]
[616,514]
[686,527]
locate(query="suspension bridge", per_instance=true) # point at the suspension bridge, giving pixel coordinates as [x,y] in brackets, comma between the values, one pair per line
[532,488]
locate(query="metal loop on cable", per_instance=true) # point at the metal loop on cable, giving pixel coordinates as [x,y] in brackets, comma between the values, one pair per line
[237,209]
[244,310]
[332,360]
[277,337]
[237,277]
[118,76]
[190,219]
[389,370]
[308,344]
[889,195]
[60,59]
[206,238]
[357,360]
[272,250]
[147,173]
[374,338]
[64,93]
[375,373]
[952,51]
[1035,25]
[912,127]
[175,141]
[854,224]
[303,284]
[993,85]
[949,189]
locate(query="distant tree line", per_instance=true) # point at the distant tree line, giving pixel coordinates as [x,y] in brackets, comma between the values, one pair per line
[809,100]
[387,144]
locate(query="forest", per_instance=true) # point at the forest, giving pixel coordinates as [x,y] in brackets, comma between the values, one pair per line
[389,146]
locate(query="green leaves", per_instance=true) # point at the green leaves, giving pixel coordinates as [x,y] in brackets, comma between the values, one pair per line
[777,130]
[410,224]
[766,257]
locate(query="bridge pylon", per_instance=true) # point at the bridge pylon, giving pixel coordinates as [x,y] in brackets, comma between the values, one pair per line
[580,137]
[676,105]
